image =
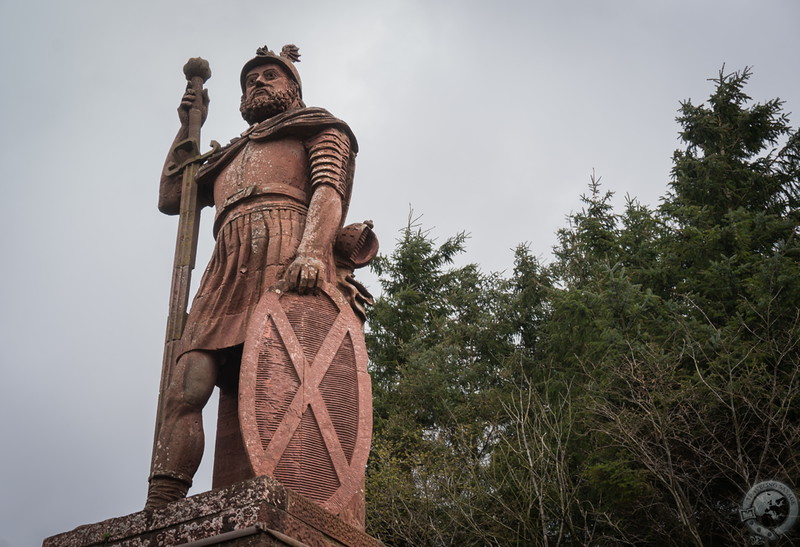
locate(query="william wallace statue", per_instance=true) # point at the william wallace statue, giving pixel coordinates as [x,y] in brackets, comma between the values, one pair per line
[277,321]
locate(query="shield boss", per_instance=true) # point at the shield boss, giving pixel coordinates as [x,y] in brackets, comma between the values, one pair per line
[305,396]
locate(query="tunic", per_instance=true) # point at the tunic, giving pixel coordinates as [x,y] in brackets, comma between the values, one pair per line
[261,185]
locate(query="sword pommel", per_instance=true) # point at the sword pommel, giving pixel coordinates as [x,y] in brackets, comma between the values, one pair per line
[197,67]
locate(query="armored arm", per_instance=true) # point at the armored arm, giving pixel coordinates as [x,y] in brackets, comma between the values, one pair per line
[331,161]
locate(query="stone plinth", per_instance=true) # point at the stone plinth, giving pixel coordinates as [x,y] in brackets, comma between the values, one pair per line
[256,512]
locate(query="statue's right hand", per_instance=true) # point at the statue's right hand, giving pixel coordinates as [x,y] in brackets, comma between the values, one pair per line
[188,101]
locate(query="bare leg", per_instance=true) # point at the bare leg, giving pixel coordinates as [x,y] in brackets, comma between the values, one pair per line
[181,441]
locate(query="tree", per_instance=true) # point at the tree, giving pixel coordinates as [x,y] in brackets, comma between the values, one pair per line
[629,392]
[733,200]
[706,406]
[434,346]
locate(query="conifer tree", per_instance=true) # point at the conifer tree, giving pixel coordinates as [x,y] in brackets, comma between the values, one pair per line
[629,392]
[733,196]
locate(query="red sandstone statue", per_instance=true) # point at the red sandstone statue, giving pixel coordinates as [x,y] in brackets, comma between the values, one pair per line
[277,320]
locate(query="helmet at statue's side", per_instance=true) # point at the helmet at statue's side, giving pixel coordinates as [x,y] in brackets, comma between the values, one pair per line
[289,55]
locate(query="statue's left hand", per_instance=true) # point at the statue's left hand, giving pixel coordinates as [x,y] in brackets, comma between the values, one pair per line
[304,274]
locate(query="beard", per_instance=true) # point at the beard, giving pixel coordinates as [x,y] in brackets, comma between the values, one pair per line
[266,105]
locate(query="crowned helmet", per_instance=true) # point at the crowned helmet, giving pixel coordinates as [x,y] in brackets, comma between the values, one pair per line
[289,55]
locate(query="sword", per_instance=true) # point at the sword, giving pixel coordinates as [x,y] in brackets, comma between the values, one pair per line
[197,73]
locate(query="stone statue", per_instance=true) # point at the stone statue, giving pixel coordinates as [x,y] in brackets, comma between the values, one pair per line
[277,321]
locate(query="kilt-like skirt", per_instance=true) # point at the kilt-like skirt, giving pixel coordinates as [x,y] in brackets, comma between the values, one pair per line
[252,251]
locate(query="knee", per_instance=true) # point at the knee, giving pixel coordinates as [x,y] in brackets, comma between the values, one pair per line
[196,378]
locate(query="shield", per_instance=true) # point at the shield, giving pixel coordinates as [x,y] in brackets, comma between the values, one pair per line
[305,404]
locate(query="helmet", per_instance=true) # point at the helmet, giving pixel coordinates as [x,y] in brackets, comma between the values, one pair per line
[356,245]
[289,55]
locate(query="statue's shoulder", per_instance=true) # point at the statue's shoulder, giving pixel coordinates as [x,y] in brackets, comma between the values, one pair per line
[304,122]
[322,119]
[301,123]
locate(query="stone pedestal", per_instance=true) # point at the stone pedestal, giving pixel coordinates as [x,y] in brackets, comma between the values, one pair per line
[256,512]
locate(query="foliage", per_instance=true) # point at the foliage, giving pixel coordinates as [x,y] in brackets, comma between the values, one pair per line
[631,391]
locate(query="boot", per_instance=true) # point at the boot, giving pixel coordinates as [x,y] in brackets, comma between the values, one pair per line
[165,488]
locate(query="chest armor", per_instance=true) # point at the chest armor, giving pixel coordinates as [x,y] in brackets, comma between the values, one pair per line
[277,167]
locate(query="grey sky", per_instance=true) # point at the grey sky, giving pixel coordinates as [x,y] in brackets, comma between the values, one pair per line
[486,117]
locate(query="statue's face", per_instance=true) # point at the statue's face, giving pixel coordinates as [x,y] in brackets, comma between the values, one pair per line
[263,78]
[268,91]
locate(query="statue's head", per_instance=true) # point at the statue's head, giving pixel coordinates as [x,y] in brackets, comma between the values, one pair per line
[270,84]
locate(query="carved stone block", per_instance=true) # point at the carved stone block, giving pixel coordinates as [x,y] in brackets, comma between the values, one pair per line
[257,512]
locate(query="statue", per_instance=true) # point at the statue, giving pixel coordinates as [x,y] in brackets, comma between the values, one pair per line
[277,321]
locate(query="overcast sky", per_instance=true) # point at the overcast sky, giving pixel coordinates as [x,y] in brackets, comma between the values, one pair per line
[486,117]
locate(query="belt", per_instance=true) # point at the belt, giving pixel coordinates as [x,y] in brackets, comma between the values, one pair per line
[253,204]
